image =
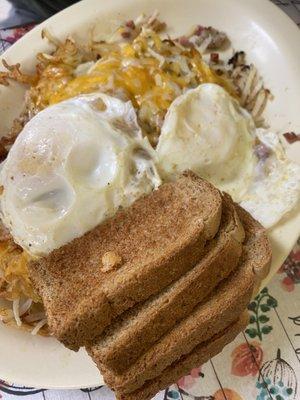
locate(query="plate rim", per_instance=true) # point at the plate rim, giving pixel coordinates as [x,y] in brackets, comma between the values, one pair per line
[287,23]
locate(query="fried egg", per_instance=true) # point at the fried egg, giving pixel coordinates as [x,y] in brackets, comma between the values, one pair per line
[72,166]
[206,131]
[275,187]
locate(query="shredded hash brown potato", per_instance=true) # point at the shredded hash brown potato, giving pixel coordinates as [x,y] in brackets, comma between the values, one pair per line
[15,280]
[139,63]
[16,288]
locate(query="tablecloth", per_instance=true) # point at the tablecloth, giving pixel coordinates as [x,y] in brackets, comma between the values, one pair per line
[262,363]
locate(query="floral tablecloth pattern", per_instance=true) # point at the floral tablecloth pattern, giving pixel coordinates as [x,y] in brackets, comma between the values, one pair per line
[262,363]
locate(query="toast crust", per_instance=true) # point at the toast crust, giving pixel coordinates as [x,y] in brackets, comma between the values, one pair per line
[159,238]
[210,317]
[198,356]
[261,255]
[137,330]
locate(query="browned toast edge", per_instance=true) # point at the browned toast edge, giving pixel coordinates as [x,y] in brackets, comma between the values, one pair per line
[200,354]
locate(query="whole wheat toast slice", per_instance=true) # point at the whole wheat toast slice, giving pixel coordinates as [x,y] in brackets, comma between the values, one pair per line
[139,328]
[153,242]
[198,356]
[220,309]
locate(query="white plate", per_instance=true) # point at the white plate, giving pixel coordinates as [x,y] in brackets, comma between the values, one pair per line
[271,41]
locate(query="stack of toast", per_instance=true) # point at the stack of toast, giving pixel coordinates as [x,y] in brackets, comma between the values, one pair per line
[158,289]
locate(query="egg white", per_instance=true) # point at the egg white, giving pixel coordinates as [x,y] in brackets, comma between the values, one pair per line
[275,188]
[72,166]
[206,131]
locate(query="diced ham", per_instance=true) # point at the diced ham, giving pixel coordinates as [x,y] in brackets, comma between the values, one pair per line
[291,137]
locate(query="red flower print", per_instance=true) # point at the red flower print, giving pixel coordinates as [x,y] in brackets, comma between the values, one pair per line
[295,255]
[246,359]
[229,393]
[288,284]
[17,33]
[188,381]
[291,269]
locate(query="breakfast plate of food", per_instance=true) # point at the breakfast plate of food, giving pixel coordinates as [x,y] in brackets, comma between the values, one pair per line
[149,170]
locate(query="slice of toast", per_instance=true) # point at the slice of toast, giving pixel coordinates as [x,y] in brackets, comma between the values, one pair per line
[138,329]
[85,284]
[198,356]
[222,307]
